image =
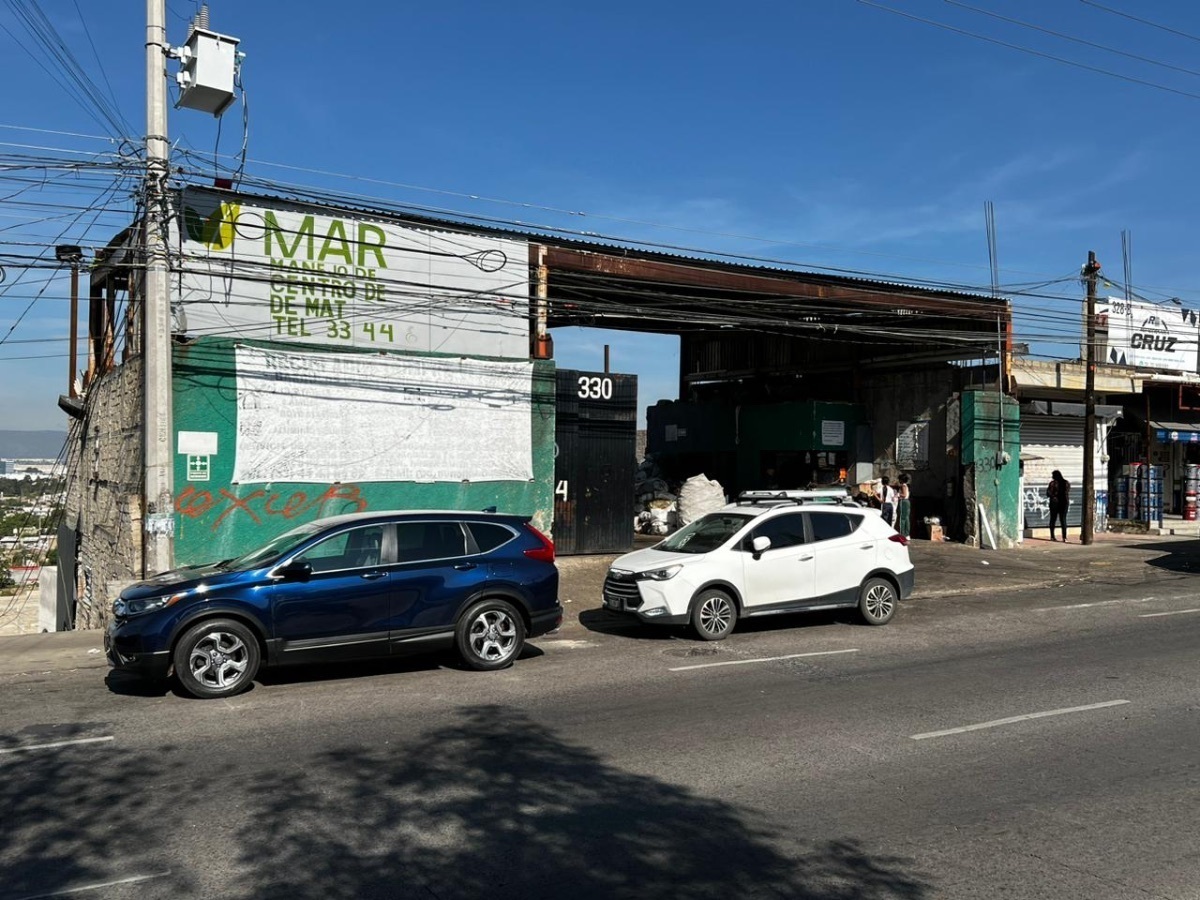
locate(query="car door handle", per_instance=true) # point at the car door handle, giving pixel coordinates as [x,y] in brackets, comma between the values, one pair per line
[866,546]
[806,558]
[465,567]
[373,576]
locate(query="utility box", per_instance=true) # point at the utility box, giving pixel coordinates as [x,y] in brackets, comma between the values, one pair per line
[206,78]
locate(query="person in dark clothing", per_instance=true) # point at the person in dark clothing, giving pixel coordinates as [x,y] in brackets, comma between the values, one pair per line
[1058,492]
[904,507]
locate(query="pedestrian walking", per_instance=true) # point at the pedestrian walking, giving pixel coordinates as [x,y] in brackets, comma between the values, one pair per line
[887,499]
[1058,492]
[903,507]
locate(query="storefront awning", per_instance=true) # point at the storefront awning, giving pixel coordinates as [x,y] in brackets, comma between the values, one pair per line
[1176,432]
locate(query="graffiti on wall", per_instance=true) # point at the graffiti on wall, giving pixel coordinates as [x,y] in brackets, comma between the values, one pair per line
[261,504]
[1037,505]
[1037,509]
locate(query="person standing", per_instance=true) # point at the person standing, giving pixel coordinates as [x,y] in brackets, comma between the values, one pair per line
[903,507]
[1058,492]
[887,499]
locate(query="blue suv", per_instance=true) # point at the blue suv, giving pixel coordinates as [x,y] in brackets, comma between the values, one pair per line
[348,587]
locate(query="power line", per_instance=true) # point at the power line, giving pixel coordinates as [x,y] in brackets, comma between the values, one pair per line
[269,184]
[4,290]
[96,56]
[1125,15]
[1073,39]
[1030,51]
[94,137]
[80,86]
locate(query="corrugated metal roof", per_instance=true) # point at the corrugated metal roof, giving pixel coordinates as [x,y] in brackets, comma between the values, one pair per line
[633,248]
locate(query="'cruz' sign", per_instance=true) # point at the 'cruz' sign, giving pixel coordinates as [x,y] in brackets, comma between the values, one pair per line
[1149,336]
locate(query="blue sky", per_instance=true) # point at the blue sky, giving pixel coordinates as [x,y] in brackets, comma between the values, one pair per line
[824,133]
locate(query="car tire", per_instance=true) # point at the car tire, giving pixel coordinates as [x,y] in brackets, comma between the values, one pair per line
[713,615]
[217,658]
[877,600]
[490,635]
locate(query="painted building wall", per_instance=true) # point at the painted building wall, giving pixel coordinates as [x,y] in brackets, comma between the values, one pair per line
[900,405]
[909,434]
[803,441]
[991,422]
[217,517]
[263,268]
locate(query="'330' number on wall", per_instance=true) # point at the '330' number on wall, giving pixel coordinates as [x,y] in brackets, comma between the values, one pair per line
[595,388]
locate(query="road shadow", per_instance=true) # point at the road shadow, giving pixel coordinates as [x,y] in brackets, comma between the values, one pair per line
[75,814]
[126,684]
[602,621]
[1182,557]
[371,668]
[129,685]
[496,805]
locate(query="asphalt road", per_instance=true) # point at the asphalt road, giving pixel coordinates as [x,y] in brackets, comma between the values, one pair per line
[1031,745]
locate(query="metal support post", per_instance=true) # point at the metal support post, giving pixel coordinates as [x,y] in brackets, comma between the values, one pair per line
[1090,271]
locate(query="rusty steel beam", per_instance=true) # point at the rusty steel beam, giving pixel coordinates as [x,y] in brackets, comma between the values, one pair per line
[698,275]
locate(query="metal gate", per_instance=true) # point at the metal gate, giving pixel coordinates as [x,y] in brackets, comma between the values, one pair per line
[595,449]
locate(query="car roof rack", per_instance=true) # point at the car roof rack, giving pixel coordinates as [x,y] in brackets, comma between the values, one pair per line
[816,497]
[761,498]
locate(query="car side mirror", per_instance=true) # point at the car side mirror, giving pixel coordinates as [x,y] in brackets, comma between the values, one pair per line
[759,544]
[296,570]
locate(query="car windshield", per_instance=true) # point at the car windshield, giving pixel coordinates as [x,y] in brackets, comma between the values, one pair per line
[706,533]
[274,549]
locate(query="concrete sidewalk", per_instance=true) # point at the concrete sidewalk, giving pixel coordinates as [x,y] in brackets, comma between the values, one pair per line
[947,569]
[34,654]
[943,570]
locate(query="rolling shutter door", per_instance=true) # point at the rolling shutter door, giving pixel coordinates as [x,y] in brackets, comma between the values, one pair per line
[1056,442]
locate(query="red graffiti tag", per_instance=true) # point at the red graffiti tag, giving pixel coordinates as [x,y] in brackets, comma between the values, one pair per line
[197,504]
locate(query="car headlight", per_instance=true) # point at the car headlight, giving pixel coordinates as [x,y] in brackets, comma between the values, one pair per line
[661,574]
[123,609]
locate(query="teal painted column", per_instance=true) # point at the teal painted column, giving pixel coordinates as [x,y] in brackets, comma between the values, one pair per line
[991,449]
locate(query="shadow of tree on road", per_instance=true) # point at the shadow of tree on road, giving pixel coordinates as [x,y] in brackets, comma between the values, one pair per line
[69,814]
[497,806]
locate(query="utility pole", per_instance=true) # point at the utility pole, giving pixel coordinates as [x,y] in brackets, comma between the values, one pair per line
[1090,271]
[156,308]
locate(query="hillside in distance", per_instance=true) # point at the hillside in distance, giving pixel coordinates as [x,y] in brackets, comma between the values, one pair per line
[31,444]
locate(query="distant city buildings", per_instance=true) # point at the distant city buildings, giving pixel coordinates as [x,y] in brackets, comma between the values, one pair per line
[33,468]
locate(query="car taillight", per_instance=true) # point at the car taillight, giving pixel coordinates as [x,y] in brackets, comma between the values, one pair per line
[898,538]
[544,553]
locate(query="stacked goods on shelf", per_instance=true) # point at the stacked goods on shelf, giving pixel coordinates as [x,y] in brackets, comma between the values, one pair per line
[1191,490]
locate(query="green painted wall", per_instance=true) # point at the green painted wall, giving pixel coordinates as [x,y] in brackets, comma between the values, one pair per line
[693,428]
[215,519]
[997,487]
[796,425]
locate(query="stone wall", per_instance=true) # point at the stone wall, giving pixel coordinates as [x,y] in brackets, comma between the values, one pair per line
[105,472]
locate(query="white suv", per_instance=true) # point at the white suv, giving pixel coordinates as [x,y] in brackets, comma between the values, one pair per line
[759,557]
